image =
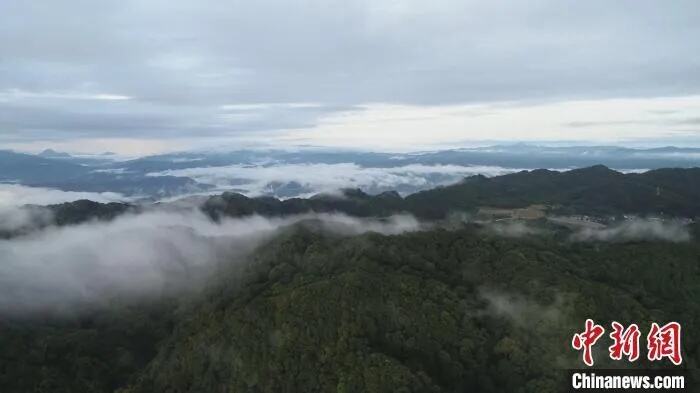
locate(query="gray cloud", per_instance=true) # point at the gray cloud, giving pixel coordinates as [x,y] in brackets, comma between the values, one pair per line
[180,63]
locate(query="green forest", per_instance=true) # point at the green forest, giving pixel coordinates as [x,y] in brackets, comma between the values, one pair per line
[440,311]
[450,308]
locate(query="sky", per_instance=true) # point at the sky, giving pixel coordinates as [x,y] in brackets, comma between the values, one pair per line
[144,77]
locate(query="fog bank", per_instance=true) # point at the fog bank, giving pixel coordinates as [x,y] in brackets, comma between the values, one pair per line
[306,179]
[141,255]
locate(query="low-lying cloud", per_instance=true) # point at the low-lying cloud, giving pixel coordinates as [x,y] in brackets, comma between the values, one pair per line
[18,195]
[24,218]
[521,310]
[137,256]
[20,208]
[512,229]
[637,230]
[310,179]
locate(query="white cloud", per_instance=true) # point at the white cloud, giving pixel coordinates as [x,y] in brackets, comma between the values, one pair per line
[636,230]
[26,218]
[329,178]
[18,94]
[149,254]
[521,310]
[14,216]
[17,195]
[409,127]
[513,229]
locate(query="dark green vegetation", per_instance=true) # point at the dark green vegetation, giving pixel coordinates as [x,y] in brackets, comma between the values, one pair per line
[101,173]
[596,190]
[91,352]
[433,311]
[442,311]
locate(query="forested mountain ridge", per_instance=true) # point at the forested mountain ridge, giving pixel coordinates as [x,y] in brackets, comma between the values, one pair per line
[174,174]
[448,306]
[593,190]
[437,310]
[596,190]
[440,311]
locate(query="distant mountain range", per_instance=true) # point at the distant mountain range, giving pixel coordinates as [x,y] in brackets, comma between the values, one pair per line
[448,306]
[597,191]
[176,174]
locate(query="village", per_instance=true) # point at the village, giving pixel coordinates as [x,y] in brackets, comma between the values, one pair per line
[545,212]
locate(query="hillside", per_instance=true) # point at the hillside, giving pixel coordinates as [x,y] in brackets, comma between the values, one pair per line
[596,190]
[448,306]
[593,190]
[438,310]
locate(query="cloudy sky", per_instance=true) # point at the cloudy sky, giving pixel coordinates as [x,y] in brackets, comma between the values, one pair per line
[140,77]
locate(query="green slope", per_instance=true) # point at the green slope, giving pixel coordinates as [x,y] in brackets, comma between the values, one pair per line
[436,311]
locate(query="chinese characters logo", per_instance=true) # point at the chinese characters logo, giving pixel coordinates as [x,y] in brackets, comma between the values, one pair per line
[662,342]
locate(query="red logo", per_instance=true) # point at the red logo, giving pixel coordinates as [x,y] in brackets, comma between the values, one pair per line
[625,342]
[662,342]
[587,339]
[665,342]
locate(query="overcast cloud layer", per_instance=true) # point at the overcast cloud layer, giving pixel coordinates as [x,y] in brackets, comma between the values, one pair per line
[147,76]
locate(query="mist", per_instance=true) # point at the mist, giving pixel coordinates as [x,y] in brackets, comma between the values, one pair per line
[20,209]
[513,229]
[521,310]
[17,195]
[142,256]
[23,219]
[637,230]
[314,178]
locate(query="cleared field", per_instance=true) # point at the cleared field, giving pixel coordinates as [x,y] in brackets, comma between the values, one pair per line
[577,222]
[533,212]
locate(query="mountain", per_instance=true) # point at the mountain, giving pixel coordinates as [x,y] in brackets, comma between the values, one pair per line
[597,191]
[31,169]
[523,156]
[448,307]
[428,312]
[132,185]
[50,153]
[75,174]
[433,311]
[276,172]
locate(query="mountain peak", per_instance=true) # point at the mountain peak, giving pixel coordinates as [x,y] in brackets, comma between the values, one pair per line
[51,153]
[595,169]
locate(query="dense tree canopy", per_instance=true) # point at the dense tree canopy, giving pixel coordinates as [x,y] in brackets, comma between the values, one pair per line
[440,310]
